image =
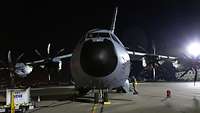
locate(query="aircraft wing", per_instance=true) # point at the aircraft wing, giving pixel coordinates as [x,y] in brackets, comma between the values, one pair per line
[144,54]
[36,62]
[64,56]
[43,60]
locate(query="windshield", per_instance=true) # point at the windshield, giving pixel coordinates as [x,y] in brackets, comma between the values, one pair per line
[98,35]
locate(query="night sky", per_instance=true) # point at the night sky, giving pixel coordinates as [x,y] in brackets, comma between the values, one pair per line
[26,25]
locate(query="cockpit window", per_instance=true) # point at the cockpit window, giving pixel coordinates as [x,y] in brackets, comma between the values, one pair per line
[98,35]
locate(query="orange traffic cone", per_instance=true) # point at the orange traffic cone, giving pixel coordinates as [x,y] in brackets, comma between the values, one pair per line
[168,93]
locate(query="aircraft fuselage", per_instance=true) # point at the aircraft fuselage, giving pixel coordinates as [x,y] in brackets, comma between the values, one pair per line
[100,61]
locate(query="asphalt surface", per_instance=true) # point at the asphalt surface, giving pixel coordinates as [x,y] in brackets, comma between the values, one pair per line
[185,98]
[152,98]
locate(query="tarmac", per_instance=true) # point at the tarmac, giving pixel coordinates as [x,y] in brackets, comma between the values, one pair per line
[152,98]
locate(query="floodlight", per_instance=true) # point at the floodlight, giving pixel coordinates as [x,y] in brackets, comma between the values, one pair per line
[194,49]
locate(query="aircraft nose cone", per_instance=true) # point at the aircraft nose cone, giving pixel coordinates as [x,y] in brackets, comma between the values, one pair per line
[98,59]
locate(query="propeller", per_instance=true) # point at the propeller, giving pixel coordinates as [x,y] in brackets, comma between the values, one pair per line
[15,68]
[50,60]
[190,64]
[49,55]
[152,62]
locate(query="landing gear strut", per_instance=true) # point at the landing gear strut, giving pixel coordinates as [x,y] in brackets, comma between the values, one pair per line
[101,96]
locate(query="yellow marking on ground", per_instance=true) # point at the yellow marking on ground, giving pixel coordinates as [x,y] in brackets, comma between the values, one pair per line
[135,81]
[12,103]
[94,107]
[107,103]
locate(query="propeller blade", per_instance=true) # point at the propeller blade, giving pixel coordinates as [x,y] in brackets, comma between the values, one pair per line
[48,48]
[154,47]
[185,72]
[9,57]
[60,51]
[3,68]
[154,73]
[142,48]
[186,56]
[37,52]
[19,57]
[12,74]
[195,76]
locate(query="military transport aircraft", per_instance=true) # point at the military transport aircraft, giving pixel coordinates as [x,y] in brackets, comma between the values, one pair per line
[100,61]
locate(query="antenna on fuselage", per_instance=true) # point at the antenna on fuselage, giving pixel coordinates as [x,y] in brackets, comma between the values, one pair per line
[114,20]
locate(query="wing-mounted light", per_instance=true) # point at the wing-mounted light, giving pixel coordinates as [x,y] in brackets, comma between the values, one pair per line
[59,61]
[144,64]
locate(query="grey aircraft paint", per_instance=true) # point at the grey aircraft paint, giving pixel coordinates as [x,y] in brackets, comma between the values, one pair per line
[109,63]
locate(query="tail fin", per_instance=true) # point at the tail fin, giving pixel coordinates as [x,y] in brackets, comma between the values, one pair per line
[114,20]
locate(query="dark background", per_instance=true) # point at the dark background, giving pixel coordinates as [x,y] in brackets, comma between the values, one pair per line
[26,25]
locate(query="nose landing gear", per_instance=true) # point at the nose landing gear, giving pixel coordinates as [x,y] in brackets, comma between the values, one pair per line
[101,96]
